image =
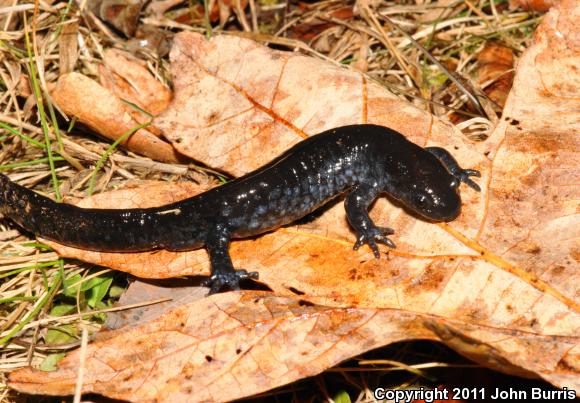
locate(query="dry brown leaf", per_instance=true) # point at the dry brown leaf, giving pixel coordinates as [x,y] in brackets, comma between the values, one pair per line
[237,344]
[68,47]
[193,13]
[154,39]
[495,72]
[540,6]
[310,29]
[103,112]
[121,14]
[174,292]
[238,104]
[130,80]
[499,285]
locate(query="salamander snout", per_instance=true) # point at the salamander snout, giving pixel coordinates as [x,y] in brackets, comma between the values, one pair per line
[442,207]
[434,203]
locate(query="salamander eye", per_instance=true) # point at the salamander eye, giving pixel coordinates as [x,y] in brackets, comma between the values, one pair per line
[454,184]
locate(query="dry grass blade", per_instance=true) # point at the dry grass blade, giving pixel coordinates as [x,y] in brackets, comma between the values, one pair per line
[472,98]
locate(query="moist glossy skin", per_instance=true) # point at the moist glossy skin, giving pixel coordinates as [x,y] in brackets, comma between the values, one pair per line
[363,161]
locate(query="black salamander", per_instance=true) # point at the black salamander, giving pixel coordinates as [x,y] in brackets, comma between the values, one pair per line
[362,161]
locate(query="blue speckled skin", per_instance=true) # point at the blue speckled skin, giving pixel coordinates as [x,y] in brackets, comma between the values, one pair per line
[360,160]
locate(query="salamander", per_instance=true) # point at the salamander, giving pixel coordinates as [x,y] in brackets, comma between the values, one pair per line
[361,161]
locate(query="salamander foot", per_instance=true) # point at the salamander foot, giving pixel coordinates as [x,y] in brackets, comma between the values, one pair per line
[230,278]
[372,235]
[462,175]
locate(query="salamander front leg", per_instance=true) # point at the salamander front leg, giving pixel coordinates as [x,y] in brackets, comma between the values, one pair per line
[356,205]
[222,269]
[453,167]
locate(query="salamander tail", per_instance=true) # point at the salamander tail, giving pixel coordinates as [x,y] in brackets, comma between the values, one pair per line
[106,230]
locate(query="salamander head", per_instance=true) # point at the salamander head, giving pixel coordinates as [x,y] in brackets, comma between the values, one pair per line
[434,200]
[426,187]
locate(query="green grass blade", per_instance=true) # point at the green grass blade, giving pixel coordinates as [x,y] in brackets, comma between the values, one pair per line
[15,299]
[24,137]
[40,106]
[33,267]
[45,298]
[137,108]
[55,125]
[110,151]
[29,163]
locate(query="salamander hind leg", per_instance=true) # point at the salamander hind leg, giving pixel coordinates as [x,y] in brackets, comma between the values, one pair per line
[356,205]
[222,269]
[462,175]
